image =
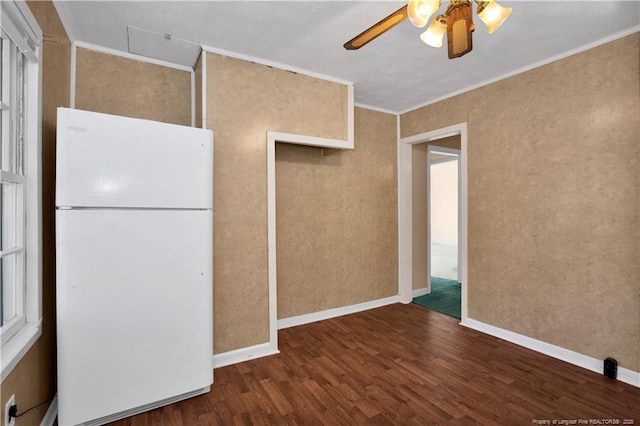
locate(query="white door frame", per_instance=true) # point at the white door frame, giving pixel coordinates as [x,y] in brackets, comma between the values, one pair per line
[455,156]
[405,206]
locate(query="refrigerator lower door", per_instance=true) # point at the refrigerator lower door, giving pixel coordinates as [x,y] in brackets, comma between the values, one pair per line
[134,310]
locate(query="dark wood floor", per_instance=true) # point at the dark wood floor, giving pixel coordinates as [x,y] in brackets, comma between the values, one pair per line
[400,364]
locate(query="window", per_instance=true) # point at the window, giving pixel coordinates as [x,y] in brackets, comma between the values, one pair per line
[20,236]
[12,189]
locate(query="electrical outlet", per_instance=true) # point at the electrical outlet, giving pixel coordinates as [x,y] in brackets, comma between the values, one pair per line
[9,421]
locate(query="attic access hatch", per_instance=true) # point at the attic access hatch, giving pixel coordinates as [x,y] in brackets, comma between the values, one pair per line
[162,46]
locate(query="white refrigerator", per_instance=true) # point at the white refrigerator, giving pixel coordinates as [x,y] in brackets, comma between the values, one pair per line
[134,249]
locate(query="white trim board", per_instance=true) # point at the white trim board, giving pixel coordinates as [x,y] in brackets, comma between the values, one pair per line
[624,375]
[20,344]
[272,138]
[204,89]
[72,78]
[351,117]
[404,216]
[193,98]
[243,354]
[279,65]
[51,414]
[336,312]
[374,108]
[421,292]
[64,20]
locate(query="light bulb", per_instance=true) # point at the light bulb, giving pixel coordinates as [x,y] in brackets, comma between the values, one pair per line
[421,10]
[492,14]
[435,33]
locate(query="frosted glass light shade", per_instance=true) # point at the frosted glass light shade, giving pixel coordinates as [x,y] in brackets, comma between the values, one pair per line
[420,11]
[435,33]
[492,14]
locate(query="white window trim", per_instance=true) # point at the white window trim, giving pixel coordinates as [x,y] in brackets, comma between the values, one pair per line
[14,349]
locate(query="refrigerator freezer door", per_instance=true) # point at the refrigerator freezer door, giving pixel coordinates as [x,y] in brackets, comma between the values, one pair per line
[109,161]
[134,308]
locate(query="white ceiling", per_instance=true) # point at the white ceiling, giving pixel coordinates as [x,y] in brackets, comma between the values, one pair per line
[396,72]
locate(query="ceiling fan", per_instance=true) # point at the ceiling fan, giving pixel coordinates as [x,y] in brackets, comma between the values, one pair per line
[456,22]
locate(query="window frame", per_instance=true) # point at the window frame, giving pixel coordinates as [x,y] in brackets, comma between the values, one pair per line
[22,28]
[13,186]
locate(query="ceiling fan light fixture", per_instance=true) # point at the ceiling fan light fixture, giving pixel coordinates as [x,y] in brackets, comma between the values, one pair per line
[459,28]
[456,21]
[492,14]
[421,10]
[435,33]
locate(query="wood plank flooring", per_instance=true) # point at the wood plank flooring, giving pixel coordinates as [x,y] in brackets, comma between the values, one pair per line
[400,365]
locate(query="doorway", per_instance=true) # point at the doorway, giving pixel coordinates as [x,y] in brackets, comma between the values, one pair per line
[412,264]
[443,291]
[443,219]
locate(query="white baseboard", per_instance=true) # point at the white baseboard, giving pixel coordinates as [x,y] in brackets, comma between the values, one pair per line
[336,312]
[624,375]
[628,376]
[265,349]
[420,292]
[243,354]
[51,414]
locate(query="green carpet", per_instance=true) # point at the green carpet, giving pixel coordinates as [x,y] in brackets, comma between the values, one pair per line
[444,297]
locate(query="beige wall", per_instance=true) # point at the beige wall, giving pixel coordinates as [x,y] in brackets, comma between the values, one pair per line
[122,86]
[553,204]
[244,101]
[33,379]
[337,220]
[419,213]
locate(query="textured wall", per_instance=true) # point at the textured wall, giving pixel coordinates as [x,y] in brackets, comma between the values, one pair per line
[553,179]
[244,101]
[337,225]
[33,379]
[419,213]
[121,86]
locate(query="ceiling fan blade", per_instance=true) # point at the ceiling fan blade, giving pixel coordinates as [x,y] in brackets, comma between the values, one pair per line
[377,29]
